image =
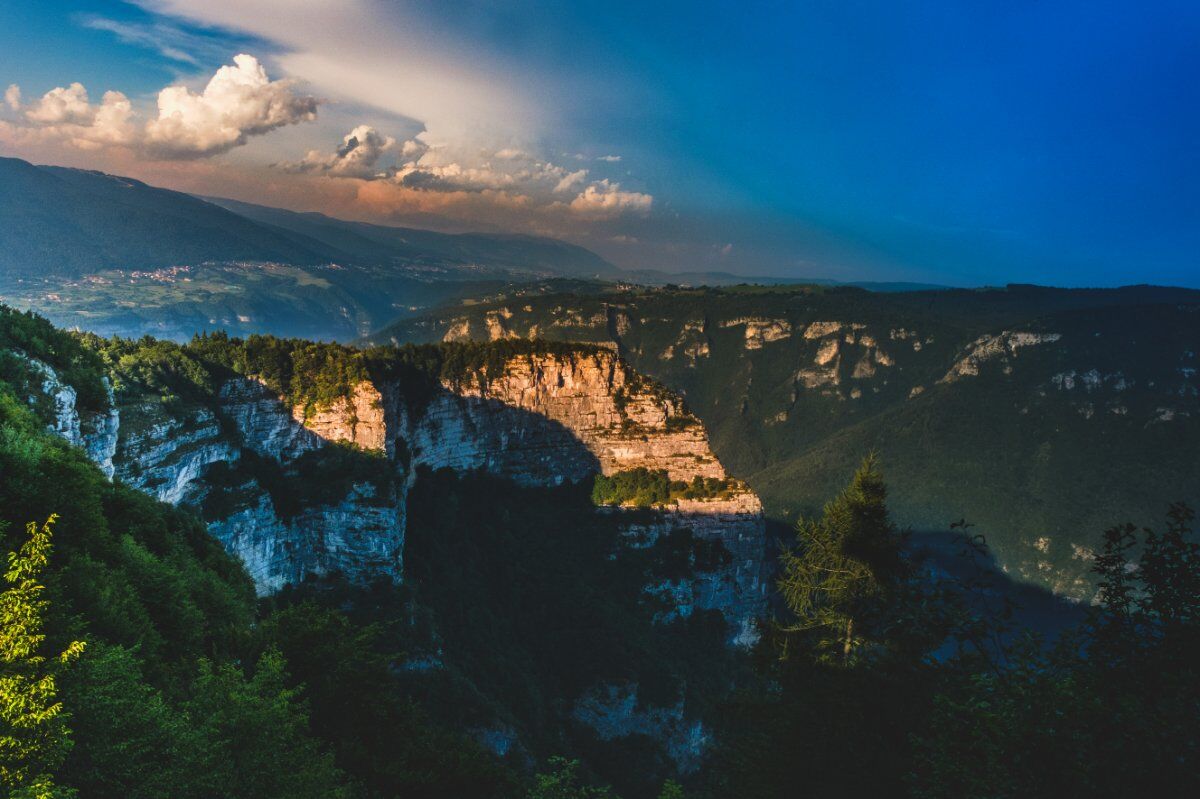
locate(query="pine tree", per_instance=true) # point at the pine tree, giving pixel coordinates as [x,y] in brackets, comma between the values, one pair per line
[34,738]
[842,565]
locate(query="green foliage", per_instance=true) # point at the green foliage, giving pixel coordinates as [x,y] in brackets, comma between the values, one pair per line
[256,728]
[365,709]
[133,743]
[563,782]
[645,488]
[844,566]
[1109,712]
[34,337]
[34,738]
[671,790]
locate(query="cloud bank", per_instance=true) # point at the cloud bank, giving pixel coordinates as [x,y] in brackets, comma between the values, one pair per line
[238,102]
[509,176]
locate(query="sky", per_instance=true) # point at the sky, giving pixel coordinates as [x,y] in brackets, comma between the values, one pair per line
[960,143]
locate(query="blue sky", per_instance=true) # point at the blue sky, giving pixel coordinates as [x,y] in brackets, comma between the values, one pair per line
[965,143]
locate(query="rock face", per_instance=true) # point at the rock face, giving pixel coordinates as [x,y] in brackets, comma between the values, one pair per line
[613,711]
[95,432]
[550,419]
[355,420]
[257,468]
[1001,348]
[736,586]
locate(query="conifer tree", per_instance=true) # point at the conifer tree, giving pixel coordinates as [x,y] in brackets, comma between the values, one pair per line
[34,738]
[843,563]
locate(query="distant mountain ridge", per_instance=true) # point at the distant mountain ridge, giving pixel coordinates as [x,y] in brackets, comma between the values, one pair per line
[365,242]
[71,222]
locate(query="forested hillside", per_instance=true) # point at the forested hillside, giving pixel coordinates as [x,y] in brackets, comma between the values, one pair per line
[877,673]
[1039,415]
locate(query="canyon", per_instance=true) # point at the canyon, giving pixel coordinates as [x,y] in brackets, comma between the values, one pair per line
[541,419]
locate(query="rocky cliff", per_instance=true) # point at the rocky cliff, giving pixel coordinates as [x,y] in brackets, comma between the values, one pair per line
[296,490]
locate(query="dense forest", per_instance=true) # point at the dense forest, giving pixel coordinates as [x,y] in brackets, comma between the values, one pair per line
[135,660]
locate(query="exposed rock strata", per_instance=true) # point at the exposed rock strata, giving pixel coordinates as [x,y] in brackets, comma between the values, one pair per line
[541,420]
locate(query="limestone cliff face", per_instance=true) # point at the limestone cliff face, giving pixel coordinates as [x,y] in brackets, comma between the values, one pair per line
[357,420]
[172,455]
[95,432]
[552,418]
[169,456]
[737,587]
[251,465]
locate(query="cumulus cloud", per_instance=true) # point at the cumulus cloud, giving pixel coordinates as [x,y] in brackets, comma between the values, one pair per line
[604,199]
[570,181]
[359,155]
[67,114]
[424,176]
[239,101]
[69,106]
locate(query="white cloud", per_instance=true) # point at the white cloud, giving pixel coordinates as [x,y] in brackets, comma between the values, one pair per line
[570,180]
[612,159]
[167,40]
[413,149]
[359,156]
[389,56]
[62,106]
[604,200]
[68,115]
[428,175]
[239,101]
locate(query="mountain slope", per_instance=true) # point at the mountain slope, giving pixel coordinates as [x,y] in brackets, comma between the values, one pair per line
[1042,416]
[70,222]
[380,243]
[450,487]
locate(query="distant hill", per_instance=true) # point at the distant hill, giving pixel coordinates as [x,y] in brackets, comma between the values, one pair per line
[1042,416]
[72,222]
[363,242]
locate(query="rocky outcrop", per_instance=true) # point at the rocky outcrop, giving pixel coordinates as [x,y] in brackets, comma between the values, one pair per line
[1000,348]
[246,462]
[761,331]
[95,432]
[168,456]
[734,582]
[357,420]
[552,418]
[613,711]
[265,424]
